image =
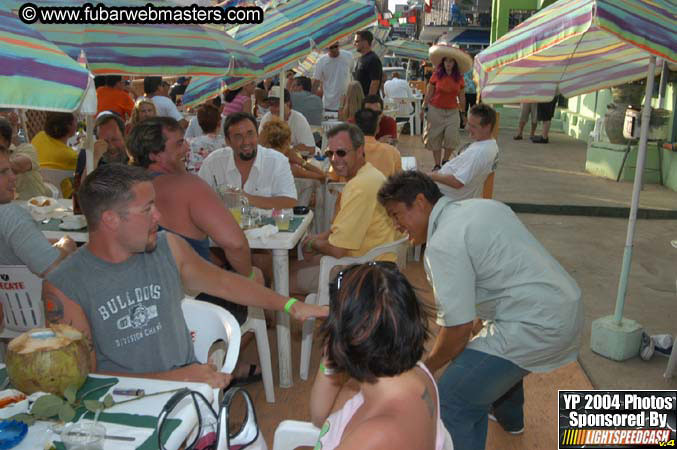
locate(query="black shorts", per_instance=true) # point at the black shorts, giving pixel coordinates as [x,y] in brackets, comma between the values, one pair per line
[546,111]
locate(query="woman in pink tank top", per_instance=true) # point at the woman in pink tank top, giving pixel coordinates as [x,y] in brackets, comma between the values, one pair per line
[381,395]
[238,100]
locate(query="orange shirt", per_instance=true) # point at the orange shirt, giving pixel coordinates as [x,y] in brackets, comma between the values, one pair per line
[446,92]
[111,99]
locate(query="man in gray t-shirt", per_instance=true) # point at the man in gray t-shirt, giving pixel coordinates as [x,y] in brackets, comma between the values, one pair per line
[21,242]
[123,289]
[482,262]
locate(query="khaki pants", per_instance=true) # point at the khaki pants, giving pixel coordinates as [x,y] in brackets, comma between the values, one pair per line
[441,130]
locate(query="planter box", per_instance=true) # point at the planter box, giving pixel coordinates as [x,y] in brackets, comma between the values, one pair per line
[604,160]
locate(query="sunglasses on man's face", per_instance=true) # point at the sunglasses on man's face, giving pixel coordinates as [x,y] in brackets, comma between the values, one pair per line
[340,153]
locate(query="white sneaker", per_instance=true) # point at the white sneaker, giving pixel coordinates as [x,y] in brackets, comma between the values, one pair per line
[493,418]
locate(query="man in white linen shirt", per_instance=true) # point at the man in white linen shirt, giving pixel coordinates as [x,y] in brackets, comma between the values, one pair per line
[398,88]
[262,173]
[302,139]
[332,75]
[463,176]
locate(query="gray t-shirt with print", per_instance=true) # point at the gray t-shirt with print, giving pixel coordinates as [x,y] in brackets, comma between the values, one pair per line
[21,242]
[133,308]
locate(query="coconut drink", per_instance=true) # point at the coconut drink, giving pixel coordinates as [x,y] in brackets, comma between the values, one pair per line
[48,359]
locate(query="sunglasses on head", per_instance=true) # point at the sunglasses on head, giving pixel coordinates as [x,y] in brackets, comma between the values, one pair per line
[340,153]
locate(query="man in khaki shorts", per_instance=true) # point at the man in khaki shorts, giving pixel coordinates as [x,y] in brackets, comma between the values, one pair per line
[445,96]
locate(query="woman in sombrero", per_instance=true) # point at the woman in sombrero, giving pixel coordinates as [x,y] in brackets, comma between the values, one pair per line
[444,97]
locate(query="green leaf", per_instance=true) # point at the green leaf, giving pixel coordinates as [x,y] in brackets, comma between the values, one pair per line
[70,393]
[93,405]
[66,413]
[28,419]
[47,406]
[108,401]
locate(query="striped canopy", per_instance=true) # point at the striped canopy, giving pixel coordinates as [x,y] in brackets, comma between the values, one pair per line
[149,48]
[576,46]
[34,73]
[290,30]
[405,48]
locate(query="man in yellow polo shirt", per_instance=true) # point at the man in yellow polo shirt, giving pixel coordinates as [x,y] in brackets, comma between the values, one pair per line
[361,222]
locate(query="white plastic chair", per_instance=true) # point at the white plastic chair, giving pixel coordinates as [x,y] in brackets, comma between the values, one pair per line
[55,176]
[208,324]
[21,300]
[290,434]
[256,322]
[55,192]
[327,263]
[403,105]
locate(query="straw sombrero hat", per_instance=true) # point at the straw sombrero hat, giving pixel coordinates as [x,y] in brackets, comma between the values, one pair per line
[444,50]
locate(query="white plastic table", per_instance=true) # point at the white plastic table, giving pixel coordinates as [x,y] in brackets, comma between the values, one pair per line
[39,433]
[280,244]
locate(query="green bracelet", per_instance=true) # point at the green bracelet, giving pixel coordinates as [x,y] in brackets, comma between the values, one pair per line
[309,245]
[289,304]
[326,371]
[252,275]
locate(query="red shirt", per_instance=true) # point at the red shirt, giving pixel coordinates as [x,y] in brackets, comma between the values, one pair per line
[116,100]
[387,126]
[446,92]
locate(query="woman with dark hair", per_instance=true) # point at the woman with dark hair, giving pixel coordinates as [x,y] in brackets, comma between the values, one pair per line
[209,119]
[444,97]
[374,339]
[238,100]
[53,153]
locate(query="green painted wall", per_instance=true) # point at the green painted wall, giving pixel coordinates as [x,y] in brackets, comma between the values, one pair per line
[500,10]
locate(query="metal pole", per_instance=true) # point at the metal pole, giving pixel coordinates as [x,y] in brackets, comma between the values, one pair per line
[639,172]
[283,80]
[663,85]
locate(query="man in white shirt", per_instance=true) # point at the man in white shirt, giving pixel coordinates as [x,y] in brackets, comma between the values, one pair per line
[302,139]
[398,88]
[262,173]
[332,75]
[463,176]
[156,89]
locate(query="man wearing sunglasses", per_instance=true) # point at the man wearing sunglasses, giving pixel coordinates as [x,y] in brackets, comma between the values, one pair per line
[332,75]
[360,223]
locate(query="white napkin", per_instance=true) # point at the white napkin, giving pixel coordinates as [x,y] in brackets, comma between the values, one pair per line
[263,232]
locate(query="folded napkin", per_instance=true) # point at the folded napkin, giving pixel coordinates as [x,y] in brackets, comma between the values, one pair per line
[263,232]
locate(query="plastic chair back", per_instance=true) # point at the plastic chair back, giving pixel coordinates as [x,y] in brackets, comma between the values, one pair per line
[209,323]
[21,298]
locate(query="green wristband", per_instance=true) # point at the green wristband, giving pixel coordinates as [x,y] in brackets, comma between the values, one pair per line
[289,304]
[325,370]
[252,275]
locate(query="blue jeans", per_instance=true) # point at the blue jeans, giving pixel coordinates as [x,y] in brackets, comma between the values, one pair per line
[471,384]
